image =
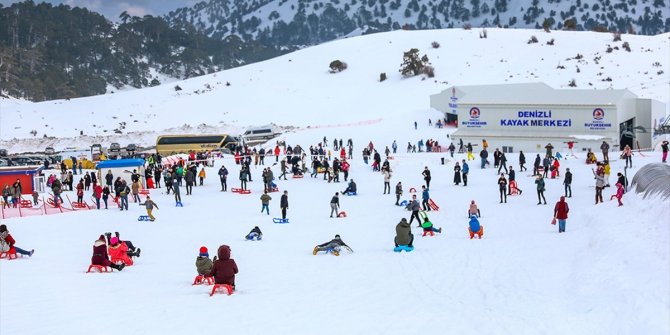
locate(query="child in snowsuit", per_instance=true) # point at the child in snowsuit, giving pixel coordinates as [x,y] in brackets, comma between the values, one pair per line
[333,246]
[224,268]
[619,193]
[150,204]
[255,234]
[202,263]
[473,210]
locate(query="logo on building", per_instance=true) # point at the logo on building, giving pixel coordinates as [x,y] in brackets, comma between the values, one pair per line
[598,114]
[474,113]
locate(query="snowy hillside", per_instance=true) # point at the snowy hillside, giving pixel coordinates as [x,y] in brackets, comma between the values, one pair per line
[299,84]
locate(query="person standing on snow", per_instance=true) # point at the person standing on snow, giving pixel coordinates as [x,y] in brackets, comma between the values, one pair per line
[334,204]
[502,188]
[457,174]
[415,208]
[265,202]
[283,204]
[425,197]
[387,182]
[223,176]
[426,176]
[465,170]
[540,190]
[561,214]
[398,193]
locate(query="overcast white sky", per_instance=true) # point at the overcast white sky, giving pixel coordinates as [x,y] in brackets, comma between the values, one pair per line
[112,8]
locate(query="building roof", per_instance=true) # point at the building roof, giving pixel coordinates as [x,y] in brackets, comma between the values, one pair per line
[120,163]
[29,169]
[536,94]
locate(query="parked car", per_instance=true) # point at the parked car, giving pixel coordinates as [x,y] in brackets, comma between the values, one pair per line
[114,147]
[4,162]
[260,133]
[20,160]
[3,152]
[49,151]
[131,147]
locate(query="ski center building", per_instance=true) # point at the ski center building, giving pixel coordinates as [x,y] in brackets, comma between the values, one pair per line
[526,117]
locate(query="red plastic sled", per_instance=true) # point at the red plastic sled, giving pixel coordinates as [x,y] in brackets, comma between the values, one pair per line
[99,268]
[200,279]
[412,190]
[240,191]
[296,176]
[9,256]
[225,288]
[433,205]
[428,232]
[342,214]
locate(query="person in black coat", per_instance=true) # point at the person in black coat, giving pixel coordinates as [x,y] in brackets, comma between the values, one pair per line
[457,174]
[522,162]
[567,181]
[536,165]
[426,176]
[283,203]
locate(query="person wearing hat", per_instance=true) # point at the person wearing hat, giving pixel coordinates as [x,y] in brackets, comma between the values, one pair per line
[120,251]
[202,263]
[150,204]
[474,228]
[255,233]
[100,256]
[333,246]
[224,268]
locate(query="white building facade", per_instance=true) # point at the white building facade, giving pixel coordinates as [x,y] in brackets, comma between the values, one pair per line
[527,117]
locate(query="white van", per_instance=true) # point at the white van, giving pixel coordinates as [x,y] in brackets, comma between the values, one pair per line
[260,133]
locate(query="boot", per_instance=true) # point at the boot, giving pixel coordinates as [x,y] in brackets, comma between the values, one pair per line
[116,233]
[316,250]
[137,253]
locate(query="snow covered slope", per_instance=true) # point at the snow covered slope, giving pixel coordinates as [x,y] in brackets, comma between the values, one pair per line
[296,90]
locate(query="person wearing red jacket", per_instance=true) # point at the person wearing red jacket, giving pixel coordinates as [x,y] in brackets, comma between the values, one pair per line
[7,243]
[224,268]
[561,213]
[277,151]
[122,251]
[97,193]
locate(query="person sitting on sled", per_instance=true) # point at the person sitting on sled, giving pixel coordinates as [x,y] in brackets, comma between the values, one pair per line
[403,234]
[428,227]
[351,188]
[202,263]
[590,157]
[121,250]
[473,210]
[224,268]
[255,234]
[475,228]
[333,246]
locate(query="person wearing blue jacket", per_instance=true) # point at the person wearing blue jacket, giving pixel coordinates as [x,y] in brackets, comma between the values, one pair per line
[425,196]
[475,228]
[465,169]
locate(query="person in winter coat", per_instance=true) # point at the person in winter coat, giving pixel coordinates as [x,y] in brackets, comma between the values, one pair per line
[6,192]
[606,172]
[97,193]
[628,155]
[223,177]
[190,180]
[457,174]
[100,256]
[7,243]
[605,148]
[80,191]
[473,210]
[546,162]
[600,185]
[539,181]
[567,181]
[255,233]
[334,204]
[484,155]
[403,234]
[621,179]
[664,149]
[502,188]
[120,251]
[561,214]
[283,204]
[426,176]
[415,208]
[502,162]
[87,182]
[619,194]
[224,268]
[265,202]
[105,195]
[202,263]
[135,189]
[333,246]
[522,162]
[150,204]
[428,226]
[167,179]
[474,228]
[512,178]
[471,156]
[465,169]
[387,182]
[398,193]
[244,174]
[175,188]
[351,188]
[109,178]
[550,149]
[202,175]
[425,197]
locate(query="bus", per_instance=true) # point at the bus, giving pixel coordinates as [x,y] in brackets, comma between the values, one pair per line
[183,144]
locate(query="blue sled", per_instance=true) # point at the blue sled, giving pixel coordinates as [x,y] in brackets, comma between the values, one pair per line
[403,247]
[403,203]
[351,193]
[179,204]
[278,220]
[255,237]
[143,218]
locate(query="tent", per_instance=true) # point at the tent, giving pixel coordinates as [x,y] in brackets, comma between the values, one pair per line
[121,168]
